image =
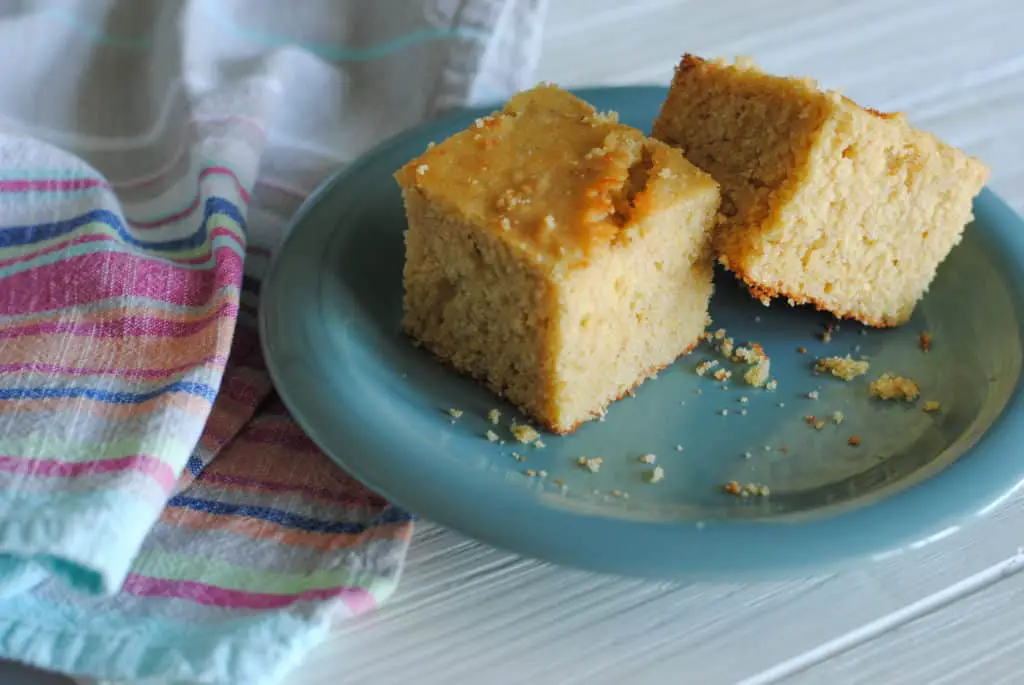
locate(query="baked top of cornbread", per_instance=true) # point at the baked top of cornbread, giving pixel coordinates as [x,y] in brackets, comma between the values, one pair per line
[553,176]
[821,101]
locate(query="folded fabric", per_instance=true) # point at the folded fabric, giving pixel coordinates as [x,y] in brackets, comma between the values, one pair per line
[162,519]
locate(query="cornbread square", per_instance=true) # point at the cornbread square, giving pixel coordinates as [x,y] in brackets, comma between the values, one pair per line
[556,255]
[823,201]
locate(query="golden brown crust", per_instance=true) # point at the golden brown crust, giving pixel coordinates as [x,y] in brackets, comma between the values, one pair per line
[689,62]
[540,421]
[552,177]
[873,112]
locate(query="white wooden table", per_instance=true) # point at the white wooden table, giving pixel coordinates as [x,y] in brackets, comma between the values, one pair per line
[466,613]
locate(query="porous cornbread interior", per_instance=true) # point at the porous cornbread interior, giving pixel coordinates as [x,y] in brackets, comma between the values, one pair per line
[824,202]
[556,254]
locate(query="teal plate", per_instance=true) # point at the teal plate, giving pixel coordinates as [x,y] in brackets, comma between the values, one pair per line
[378,406]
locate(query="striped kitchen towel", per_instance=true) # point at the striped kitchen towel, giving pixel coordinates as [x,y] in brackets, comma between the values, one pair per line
[162,519]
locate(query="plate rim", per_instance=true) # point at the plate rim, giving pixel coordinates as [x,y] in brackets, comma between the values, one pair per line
[950,499]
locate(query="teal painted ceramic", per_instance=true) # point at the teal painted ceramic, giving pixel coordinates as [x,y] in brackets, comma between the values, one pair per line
[377,406]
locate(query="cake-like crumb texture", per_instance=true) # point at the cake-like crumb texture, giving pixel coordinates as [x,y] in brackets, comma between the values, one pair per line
[845,368]
[558,256]
[823,202]
[890,387]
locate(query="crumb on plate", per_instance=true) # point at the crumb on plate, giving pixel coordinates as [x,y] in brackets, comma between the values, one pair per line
[890,387]
[523,433]
[844,368]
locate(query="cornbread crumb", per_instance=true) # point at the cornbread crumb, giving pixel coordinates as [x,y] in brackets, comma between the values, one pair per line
[491,436]
[494,416]
[925,341]
[854,441]
[819,425]
[932,406]
[812,395]
[727,347]
[706,366]
[890,387]
[748,490]
[647,458]
[542,474]
[801,350]
[810,419]
[771,385]
[747,355]
[657,474]
[591,464]
[838,417]
[845,368]
[744,399]
[455,413]
[616,493]
[757,375]
[523,433]
[530,472]
[722,375]
[760,366]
